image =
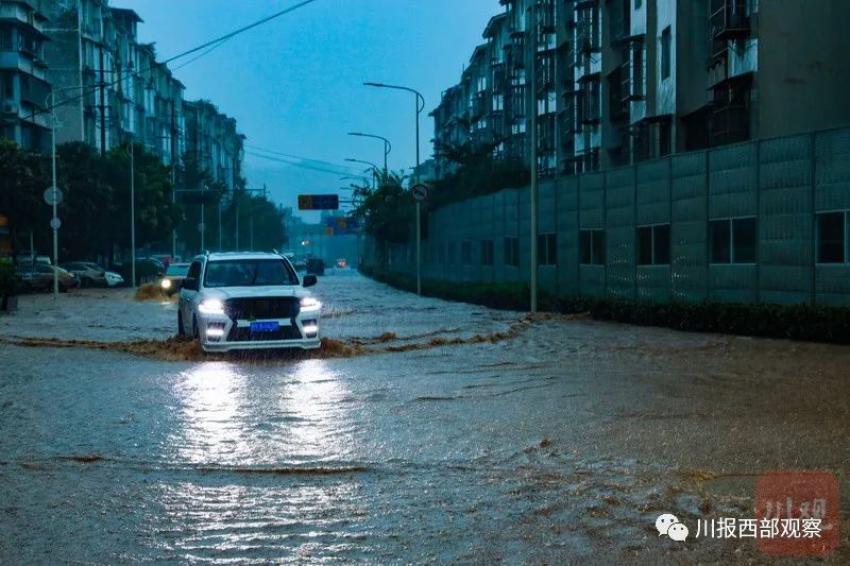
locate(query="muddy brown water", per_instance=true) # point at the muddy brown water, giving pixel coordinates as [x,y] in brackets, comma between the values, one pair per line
[456,434]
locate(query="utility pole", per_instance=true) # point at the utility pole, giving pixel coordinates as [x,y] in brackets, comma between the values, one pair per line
[202,226]
[532,134]
[173,177]
[133,212]
[102,105]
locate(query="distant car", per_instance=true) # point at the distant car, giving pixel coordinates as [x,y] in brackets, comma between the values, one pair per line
[246,301]
[174,276]
[90,274]
[315,266]
[342,263]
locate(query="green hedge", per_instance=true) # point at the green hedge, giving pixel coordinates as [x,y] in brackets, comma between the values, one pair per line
[797,322]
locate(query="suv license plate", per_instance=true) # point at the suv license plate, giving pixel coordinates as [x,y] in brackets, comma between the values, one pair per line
[270,326]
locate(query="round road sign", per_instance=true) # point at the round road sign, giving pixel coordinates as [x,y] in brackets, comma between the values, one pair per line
[420,192]
[52,196]
[55,223]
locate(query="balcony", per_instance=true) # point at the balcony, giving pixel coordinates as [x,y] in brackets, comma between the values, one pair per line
[729,124]
[729,20]
[546,17]
[479,105]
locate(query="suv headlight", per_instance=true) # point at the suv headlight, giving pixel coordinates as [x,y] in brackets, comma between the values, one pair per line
[211,306]
[309,304]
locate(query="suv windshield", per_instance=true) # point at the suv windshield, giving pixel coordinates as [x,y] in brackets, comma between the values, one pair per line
[249,273]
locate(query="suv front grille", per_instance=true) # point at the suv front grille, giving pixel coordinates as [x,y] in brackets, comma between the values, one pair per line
[244,334]
[262,308]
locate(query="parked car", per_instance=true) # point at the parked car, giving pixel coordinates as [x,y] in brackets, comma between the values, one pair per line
[40,277]
[90,274]
[315,266]
[113,279]
[240,301]
[172,282]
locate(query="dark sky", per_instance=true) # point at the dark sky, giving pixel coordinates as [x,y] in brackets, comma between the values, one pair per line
[294,85]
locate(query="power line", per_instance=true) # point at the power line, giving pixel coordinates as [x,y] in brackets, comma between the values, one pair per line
[299,157]
[304,164]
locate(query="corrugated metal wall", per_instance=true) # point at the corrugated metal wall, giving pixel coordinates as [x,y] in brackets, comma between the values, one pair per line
[784,183]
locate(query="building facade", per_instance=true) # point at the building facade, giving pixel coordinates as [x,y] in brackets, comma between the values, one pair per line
[214,143]
[24,88]
[616,82]
[109,88]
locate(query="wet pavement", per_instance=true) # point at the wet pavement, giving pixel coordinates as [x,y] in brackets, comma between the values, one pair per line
[455,433]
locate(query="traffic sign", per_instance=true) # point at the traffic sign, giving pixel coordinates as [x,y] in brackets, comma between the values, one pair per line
[52,195]
[318,202]
[420,192]
[55,223]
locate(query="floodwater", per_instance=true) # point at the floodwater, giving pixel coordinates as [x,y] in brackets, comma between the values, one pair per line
[542,440]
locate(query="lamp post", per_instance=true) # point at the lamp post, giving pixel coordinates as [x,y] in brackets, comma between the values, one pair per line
[388,147]
[420,106]
[133,213]
[55,223]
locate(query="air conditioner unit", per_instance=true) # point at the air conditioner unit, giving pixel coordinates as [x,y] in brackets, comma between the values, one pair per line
[10,108]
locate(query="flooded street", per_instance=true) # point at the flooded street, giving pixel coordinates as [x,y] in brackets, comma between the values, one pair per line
[447,433]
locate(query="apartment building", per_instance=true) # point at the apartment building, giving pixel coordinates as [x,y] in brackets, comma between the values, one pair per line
[23,74]
[615,82]
[213,142]
[111,87]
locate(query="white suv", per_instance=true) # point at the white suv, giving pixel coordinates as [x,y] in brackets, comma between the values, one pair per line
[244,301]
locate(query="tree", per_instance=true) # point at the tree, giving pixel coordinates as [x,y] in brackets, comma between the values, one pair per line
[23,179]
[476,172]
[388,211]
[156,215]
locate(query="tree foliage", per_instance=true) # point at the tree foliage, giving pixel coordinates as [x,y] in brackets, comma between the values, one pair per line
[386,210]
[475,172]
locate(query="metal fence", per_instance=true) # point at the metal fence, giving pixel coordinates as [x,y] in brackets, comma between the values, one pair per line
[762,221]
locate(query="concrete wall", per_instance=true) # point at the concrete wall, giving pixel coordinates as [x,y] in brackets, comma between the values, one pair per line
[803,76]
[782,182]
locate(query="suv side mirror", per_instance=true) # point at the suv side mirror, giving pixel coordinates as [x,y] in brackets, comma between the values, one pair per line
[190,283]
[309,280]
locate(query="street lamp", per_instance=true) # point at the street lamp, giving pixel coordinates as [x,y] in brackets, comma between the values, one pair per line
[420,106]
[388,147]
[55,223]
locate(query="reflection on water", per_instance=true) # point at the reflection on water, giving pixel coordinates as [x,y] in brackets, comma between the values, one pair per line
[291,416]
[209,394]
[271,423]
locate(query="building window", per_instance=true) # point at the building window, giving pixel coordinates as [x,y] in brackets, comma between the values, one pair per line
[487,252]
[466,253]
[547,249]
[512,251]
[638,4]
[733,240]
[452,253]
[666,46]
[665,137]
[592,243]
[832,231]
[654,244]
